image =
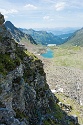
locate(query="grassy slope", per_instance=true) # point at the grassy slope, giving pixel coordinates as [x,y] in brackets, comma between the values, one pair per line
[76,108]
[65,57]
[76,39]
[69,56]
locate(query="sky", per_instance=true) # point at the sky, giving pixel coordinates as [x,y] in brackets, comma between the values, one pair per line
[43,13]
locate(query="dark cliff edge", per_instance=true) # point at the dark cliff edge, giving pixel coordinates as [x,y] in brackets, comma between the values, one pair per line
[25,97]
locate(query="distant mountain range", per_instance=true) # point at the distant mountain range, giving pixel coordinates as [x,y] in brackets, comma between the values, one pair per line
[76,39]
[43,37]
[32,36]
[59,30]
[17,34]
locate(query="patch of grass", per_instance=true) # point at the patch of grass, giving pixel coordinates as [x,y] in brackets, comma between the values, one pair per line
[49,122]
[7,64]
[0,89]
[76,108]
[33,57]
[2,69]
[0,38]
[59,115]
[24,53]
[69,57]
[21,54]
[20,114]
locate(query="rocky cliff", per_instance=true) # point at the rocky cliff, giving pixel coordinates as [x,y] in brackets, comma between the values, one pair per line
[25,97]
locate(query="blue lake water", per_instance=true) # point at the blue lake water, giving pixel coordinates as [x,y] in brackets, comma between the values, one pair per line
[48,54]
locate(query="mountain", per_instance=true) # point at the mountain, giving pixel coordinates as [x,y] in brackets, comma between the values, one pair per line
[65,36]
[25,97]
[17,34]
[59,30]
[43,37]
[76,39]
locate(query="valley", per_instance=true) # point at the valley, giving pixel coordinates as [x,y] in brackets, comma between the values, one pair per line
[63,73]
[41,62]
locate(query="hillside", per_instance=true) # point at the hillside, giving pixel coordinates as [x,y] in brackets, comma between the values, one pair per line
[17,34]
[64,74]
[25,97]
[76,39]
[43,37]
[65,36]
[24,39]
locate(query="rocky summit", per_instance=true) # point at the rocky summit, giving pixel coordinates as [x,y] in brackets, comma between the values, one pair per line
[25,97]
[1,19]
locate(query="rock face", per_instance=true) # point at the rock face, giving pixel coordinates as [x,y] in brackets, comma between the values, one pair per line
[1,19]
[25,97]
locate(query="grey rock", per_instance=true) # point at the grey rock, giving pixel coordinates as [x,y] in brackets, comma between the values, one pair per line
[1,19]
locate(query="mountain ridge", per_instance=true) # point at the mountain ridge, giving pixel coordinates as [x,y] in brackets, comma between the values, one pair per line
[17,34]
[76,39]
[43,37]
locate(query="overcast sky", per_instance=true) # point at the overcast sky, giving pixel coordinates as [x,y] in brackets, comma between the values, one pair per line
[43,13]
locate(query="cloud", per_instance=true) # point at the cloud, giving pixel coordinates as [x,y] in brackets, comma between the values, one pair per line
[6,12]
[11,11]
[30,7]
[46,17]
[60,6]
[49,1]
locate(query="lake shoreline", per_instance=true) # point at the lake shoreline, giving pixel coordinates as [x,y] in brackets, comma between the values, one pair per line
[48,54]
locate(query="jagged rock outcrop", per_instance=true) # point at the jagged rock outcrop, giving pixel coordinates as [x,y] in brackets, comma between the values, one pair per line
[25,97]
[1,19]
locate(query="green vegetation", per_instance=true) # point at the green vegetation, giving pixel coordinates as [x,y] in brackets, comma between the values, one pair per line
[0,37]
[68,56]
[20,114]
[7,64]
[43,37]
[0,89]
[76,108]
[34,58]
[49,122]
[59,114]
[76,39]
